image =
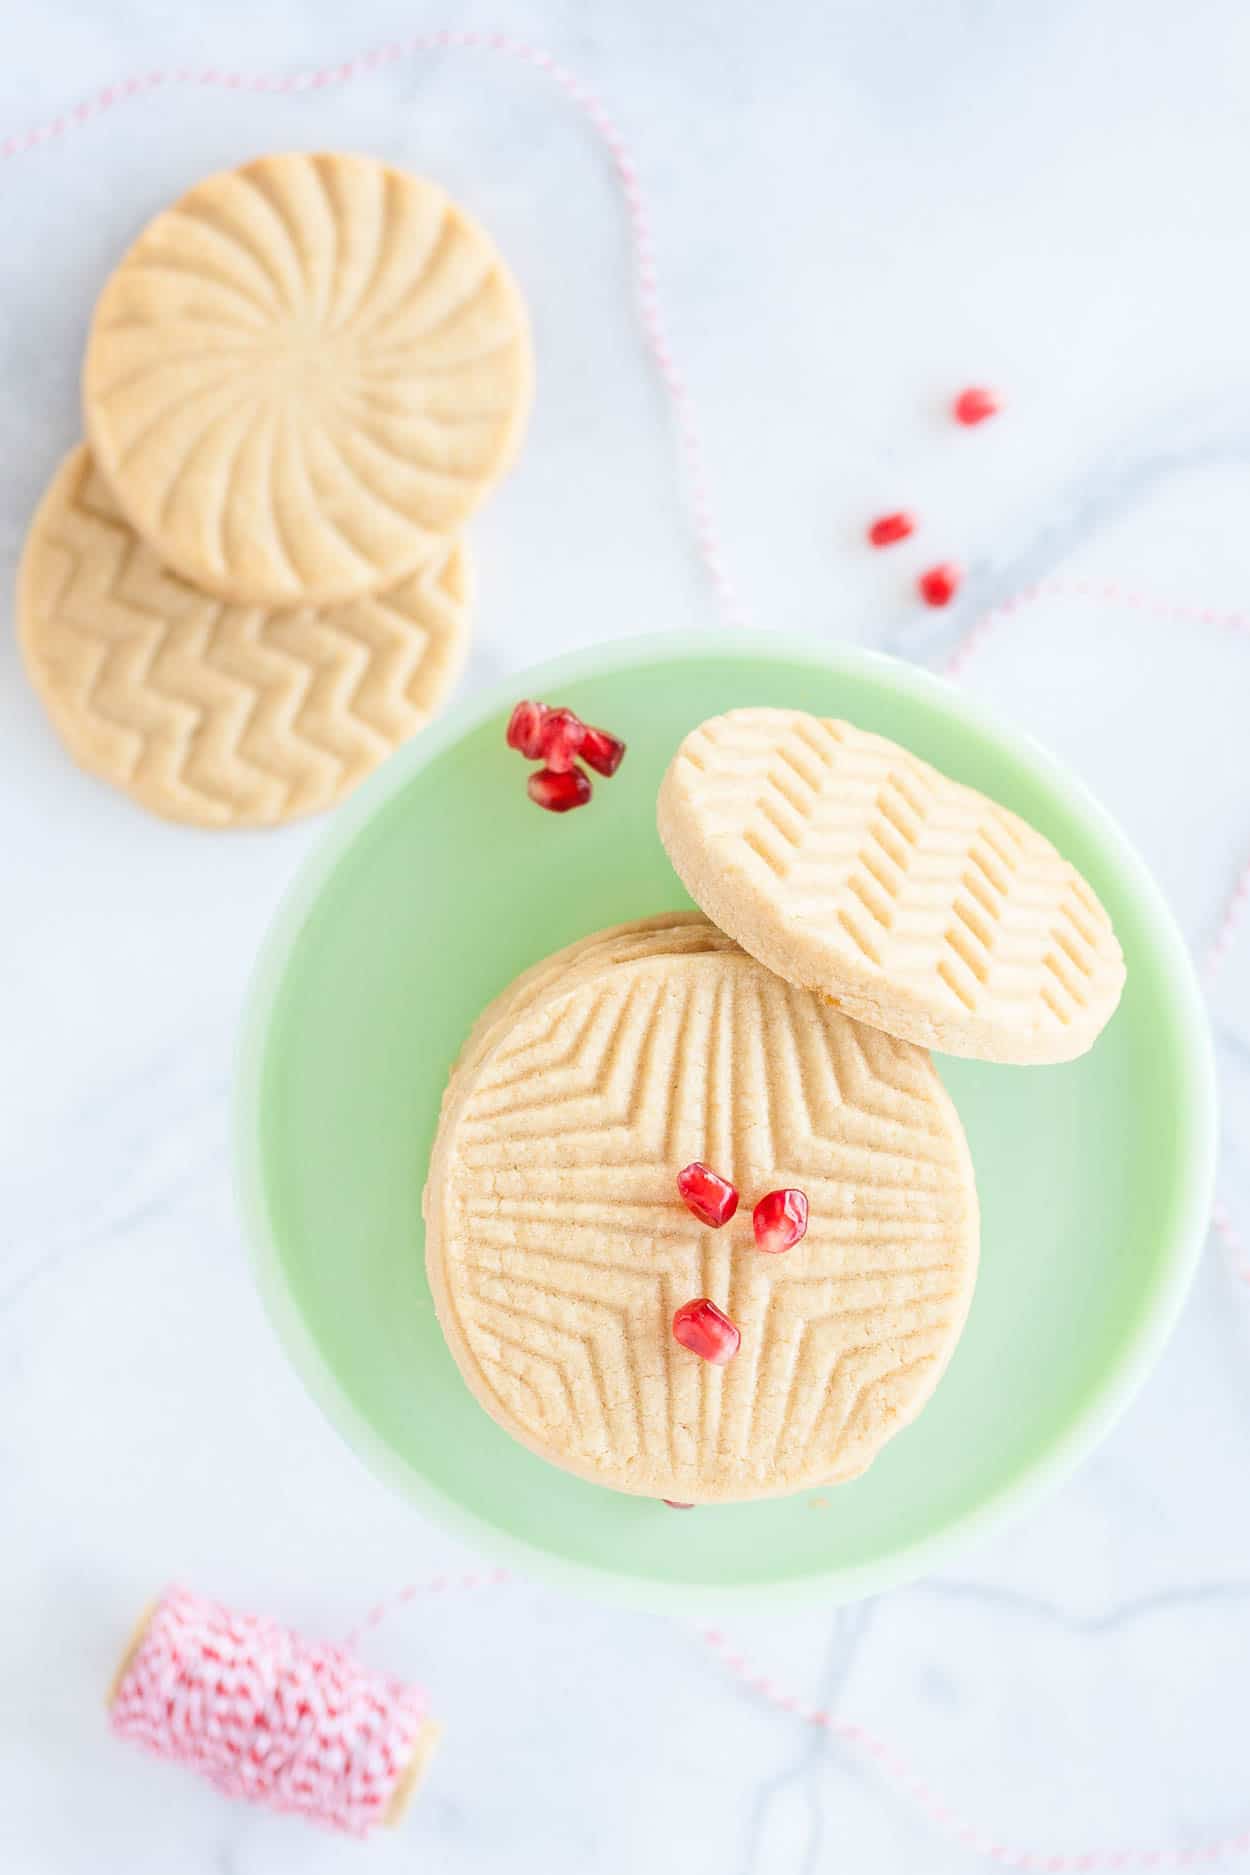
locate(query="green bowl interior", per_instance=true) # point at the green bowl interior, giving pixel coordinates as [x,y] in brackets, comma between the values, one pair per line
[441,881]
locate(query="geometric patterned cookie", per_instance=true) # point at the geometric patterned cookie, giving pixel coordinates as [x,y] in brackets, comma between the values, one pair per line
[558,1248]
[913,903]
[221,715]
[303,378]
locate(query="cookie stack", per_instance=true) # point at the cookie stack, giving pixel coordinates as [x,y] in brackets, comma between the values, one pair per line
[860,908]
[250,585]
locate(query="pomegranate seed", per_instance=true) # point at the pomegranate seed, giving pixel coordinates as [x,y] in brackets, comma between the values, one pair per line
[603,752]
[561,740]
[891,527]
[780,1220]
[674,1504]
[974,405]
[701,1327]
[938,585]
[711,1197]
[525,729]
[559,789]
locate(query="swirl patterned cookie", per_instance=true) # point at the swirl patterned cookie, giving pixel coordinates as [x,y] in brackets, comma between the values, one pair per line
[304,377]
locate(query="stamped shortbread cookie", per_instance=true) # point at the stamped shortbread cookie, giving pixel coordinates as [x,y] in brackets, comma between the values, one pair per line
[913,903]
[221,715]
[304,377]
[559,1249]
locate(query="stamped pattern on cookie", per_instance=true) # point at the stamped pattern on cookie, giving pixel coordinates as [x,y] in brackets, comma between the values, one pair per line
[305,376]
[559,1247]
[920,906]
[221,715]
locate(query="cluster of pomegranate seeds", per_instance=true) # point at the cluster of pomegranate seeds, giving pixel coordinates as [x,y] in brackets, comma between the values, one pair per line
[937,585]
[711,1197]
[975,404]
[888,528]
[559,739]
[706,1331]
[780,1220]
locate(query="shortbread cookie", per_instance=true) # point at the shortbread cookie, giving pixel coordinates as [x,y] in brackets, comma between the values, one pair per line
[304,377]
[558,1248]
[221,715]
[913,903]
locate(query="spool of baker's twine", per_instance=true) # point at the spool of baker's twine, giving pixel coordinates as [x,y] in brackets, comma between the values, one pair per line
[269,1717]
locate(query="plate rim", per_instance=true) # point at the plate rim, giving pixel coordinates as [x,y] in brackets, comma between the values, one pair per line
[1094,1419]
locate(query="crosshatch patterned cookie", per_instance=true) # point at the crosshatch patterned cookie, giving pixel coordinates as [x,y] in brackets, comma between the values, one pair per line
[304,377]
[558,1248]
[221,715]
[913,903]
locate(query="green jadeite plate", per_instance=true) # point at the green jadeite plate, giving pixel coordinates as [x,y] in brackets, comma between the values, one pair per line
[439,881]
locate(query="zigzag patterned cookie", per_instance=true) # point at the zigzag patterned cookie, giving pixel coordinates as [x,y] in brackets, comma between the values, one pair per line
[558,1248]
[304,377]
[221,715]
[915,904]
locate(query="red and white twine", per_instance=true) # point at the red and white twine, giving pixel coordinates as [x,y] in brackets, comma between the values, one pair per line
[899,1773]
[266,1715]
[171,1697]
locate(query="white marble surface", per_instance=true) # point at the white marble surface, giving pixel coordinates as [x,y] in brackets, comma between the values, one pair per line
[856,209]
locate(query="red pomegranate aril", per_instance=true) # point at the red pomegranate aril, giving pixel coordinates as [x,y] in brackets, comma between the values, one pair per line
[559,789]
[711,1197]
[603,752]
[888,528]
[706,1331]
[938,585]
[525,729]
[561,739]
[780,1220]
[975,404]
